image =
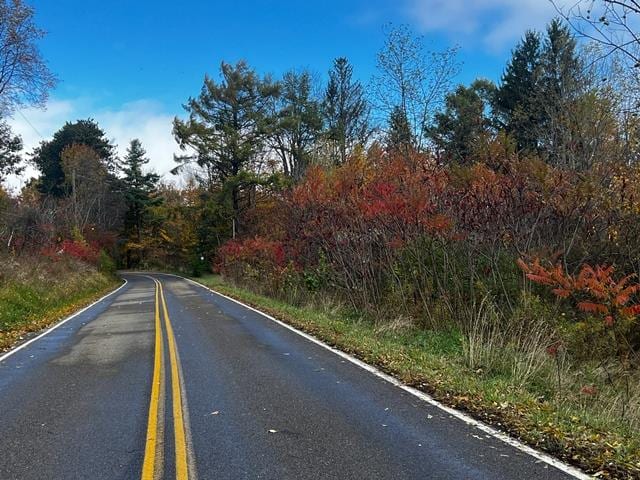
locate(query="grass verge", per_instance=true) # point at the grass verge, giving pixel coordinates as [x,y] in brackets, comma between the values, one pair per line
[36,294]
[433,362]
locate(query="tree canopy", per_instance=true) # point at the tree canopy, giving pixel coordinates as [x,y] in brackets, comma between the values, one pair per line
[47,157]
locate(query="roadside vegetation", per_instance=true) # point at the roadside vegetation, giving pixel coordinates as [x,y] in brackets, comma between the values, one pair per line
[582,431]
[478,241]
[48,266]
[35,292]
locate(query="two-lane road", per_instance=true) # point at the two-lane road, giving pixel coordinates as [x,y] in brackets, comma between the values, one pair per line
[165,379]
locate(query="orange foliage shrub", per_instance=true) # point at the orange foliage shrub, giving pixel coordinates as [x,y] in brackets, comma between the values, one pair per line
[594,289]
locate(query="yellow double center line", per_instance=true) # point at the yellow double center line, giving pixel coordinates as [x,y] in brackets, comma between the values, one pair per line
[152,465]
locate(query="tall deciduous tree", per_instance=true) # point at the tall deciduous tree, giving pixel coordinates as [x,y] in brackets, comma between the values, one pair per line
[25,78]
[24,75]
[296,123]
[47,157]
[346,110]
[227,130]
[86,178]
[412,80]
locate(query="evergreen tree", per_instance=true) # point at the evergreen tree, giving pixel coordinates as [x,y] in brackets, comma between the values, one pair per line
[139,189]
[47,156]
[399,135]
[228,128]
[515,100]
[346,110]
[562,85]
[296,123]
[456,130]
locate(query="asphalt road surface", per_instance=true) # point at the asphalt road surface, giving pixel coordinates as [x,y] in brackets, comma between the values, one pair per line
[165,379]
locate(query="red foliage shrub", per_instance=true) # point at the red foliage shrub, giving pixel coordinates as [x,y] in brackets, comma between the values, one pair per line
[257,252]
[75,249]
[361,220]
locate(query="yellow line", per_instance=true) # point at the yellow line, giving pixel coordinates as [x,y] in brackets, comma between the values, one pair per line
[151,446]
[182,471]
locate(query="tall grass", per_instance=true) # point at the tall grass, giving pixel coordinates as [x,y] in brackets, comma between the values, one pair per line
[35,291]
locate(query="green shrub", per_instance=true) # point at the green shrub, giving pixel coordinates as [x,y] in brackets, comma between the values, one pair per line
[106,263]
[197,265]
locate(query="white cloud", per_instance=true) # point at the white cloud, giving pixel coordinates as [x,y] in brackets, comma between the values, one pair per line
[498,23]
[142,119]
[145,120]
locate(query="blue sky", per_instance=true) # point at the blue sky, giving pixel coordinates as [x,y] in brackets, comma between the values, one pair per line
[131,64]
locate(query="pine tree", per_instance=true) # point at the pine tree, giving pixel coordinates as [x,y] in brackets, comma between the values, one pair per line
[515,100]
[227,128]
[346,110]
[399,135]
[562,85]
[139,190]
[296,123]
[456,130]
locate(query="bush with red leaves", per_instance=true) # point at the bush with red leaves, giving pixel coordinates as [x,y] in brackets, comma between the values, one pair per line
[79,250]
[260,254]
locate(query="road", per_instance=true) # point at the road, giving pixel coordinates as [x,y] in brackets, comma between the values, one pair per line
[165,379]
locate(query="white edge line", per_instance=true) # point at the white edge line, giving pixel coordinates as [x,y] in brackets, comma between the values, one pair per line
[60,323]
[568,469]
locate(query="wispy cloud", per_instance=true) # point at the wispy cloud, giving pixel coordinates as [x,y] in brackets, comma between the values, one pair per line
[143,119]
[496,23]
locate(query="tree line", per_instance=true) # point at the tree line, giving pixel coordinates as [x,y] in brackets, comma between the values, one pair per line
[246,135]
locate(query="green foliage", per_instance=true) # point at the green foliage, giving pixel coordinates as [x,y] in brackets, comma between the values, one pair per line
[515,99]
[106,264]
[296,123]
[399,134]
[10,148]
[228,129]
[562,82]
[198,265]
[47,157]
[139,189]
[463,124]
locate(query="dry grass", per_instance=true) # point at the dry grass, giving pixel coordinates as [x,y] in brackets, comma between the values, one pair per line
[35,292]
